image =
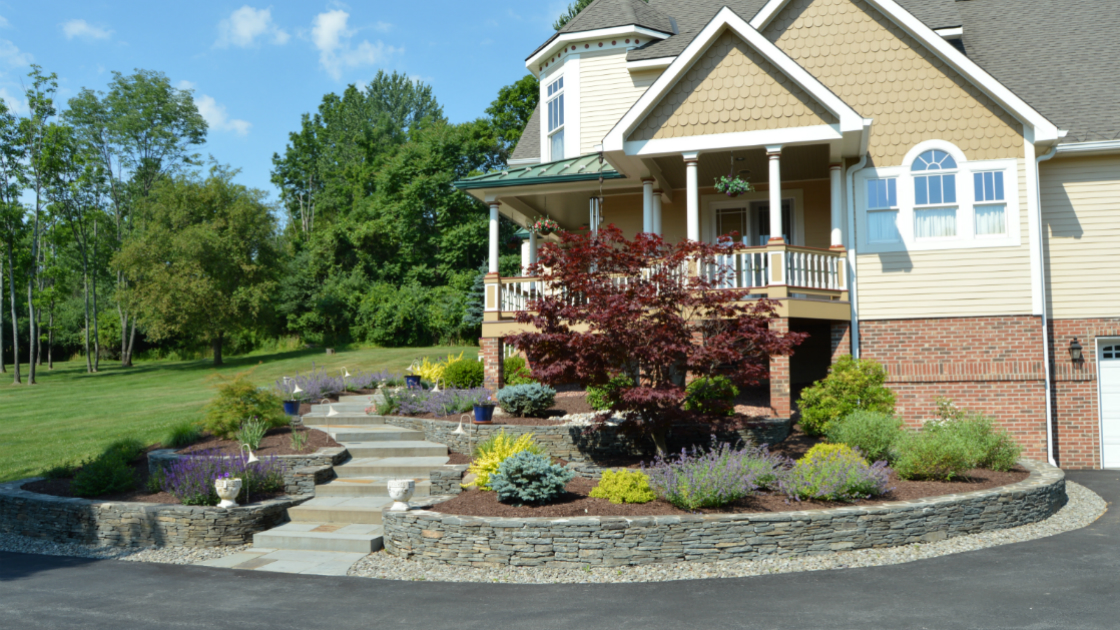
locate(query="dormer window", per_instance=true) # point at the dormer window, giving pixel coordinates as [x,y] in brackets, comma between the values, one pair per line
[555,104]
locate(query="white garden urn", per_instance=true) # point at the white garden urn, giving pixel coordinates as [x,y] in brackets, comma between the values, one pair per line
[228,489]
[400,491]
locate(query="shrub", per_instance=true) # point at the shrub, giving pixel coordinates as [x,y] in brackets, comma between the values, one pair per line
[155,481]
[767,467]
[526,400]
[529,478]
[183,433]
[191,479]
[452,401]
[105,474]
[933,454]
[251,433]
[515,371]
[711,395]
[624,486]
[126,449]
[601,397]
[62,471]
[993,448]
[851,384]
[464,374]
[491,452]
[238,400]
[834,473]
[872,432]
[694,480]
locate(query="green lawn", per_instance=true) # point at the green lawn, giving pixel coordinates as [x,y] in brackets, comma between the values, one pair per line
[70,414]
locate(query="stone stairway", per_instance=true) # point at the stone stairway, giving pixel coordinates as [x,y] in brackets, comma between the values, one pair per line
[327,534]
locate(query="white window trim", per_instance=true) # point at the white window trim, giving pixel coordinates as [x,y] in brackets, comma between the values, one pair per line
[710,203]
[966,204]
[546,133]
[1097,345]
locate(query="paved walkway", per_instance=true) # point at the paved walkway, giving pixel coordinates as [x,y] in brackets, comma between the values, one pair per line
[1070,581]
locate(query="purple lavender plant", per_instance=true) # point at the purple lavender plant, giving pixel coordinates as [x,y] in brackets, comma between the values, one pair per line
[316,384]
[835,477]
[703,479]
[191,479]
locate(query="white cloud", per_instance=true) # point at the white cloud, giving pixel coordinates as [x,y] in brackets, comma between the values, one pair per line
[244,26]
[85,30]
[16,104]
[332,36]
[215,113]
[4,22]
[10,54]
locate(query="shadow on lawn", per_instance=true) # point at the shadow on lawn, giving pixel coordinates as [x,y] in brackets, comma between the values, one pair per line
[207,365]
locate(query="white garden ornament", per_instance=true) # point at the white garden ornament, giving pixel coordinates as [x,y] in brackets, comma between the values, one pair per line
[228,489]
[400,491]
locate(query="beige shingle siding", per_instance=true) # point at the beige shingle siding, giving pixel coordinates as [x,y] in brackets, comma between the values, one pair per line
[951,282]
[731,88]
[886,75]
[1081,222]
[607,91]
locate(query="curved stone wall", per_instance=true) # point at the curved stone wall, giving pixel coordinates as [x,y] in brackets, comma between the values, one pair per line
[614,541]
[121,524]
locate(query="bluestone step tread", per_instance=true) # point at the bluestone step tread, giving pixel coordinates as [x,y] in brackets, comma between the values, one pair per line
[367,486]
[401,448]
[357,538]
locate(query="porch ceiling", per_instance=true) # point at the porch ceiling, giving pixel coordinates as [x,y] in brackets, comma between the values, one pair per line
[798,163]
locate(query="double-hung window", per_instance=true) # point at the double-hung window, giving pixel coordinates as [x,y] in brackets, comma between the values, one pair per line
[882,210]
[555,104]
[935,195]
[991,207]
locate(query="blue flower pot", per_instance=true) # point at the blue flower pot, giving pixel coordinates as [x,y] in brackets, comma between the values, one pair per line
[291,407]
[412,382]
[483,414]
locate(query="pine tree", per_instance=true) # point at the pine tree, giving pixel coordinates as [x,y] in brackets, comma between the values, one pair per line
[476,301]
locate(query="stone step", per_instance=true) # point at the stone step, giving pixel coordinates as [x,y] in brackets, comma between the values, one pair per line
[300,561]
[341,408]
[372,433]
[356,538]
[381,467]
[368,486]
[341,420]
[396,449]
[361,398]
[340,509]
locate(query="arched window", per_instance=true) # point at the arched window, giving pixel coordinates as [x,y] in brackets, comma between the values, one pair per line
[935,195]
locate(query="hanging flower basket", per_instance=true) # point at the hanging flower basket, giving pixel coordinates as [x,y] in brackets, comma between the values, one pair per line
[732,186]
[544,227]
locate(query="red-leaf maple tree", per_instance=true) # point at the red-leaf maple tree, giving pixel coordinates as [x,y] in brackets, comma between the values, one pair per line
[607,305]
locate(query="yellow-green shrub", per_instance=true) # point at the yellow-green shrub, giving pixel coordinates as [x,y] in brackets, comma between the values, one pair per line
[624,486]
[237,401]
[823,451]
[490,454]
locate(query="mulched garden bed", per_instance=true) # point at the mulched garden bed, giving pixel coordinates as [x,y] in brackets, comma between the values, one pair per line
[575,501]
[275,442]
[61,487]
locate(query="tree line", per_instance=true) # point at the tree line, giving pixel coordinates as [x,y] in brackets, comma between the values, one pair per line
[115,235]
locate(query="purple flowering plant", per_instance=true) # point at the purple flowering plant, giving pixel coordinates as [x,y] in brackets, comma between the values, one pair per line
[191,479]
[697,478]
[835,477]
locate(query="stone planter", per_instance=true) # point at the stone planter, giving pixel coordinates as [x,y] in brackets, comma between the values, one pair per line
[400,491]
[228,489]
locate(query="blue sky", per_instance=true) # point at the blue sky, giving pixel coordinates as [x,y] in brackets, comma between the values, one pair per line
[256,67]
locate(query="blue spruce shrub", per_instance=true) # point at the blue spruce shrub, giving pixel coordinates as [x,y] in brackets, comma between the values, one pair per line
[526,400]
[529,478]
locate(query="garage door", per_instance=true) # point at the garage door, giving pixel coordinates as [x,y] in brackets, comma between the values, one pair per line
[1109,363]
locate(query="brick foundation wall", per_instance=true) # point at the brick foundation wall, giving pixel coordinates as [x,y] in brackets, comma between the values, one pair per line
[491,350]
[780,374]
[841,339]
[1075,402]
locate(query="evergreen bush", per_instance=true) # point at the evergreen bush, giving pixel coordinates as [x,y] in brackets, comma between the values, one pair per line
[515,371]
[711,395]
[526,401]
[491,452]
[872,432]
[529,478]
[624,486]
[601,397]
[105,474]
[851,385]
[464,374]
[238,400]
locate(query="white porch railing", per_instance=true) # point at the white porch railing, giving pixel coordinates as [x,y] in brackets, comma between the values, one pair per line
[814,270]
[745,269]
[516,293]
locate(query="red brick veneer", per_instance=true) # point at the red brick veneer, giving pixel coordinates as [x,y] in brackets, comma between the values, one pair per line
[492,362]
[1076,410]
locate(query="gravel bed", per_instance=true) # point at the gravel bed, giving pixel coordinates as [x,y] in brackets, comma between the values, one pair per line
[1084,507]
[167,555]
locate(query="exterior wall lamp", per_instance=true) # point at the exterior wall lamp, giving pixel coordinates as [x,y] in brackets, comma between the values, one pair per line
[1075,351]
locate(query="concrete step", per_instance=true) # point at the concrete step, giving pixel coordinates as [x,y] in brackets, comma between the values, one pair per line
[362,398]
[373,433]
[341,408]
[367,486]
[347,510]
[341,420]
[357,538]
[288,561]
[396,449]
[381,467]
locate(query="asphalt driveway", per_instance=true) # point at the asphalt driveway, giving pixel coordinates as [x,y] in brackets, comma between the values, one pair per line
[1067,581]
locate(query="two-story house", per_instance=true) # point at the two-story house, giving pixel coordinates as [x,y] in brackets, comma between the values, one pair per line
[937,186]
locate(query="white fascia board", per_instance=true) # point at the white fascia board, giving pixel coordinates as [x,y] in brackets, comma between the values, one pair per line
[649,64]
[563,41]
[950,33]
[1101,147]
[849,119]
[1045,131]
[735,140]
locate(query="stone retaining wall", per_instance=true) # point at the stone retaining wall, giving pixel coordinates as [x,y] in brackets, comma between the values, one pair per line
[121,524]
[447,479]
[614,541]
[326,457]
[577,444]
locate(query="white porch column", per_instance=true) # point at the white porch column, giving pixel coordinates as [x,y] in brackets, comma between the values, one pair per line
[693,196]
[647,205]
[532,248]
[835,176]
[657,212]
[494,236]
[774,154]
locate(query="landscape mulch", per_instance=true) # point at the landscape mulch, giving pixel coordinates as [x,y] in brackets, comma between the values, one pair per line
[576,502]
[275,442]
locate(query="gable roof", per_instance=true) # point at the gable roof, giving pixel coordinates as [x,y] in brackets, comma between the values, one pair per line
[602,14]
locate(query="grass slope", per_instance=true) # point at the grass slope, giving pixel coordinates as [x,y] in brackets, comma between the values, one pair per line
[70,414]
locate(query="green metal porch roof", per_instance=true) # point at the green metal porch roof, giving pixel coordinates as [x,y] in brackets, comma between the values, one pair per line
[585,168]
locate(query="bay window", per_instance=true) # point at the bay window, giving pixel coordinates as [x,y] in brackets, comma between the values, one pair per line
[555,104]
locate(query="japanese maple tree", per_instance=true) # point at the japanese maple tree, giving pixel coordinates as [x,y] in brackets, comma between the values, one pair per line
[609,305]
